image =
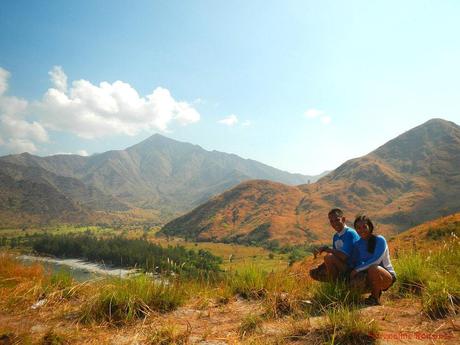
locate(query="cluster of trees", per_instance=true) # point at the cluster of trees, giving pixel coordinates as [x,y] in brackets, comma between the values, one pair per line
[122,252]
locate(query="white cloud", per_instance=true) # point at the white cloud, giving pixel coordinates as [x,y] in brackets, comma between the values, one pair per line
[326,120]
[16,145]
[315,113]
[246,123]
[58,78]
[17,134]
[92,111]
[229,120]
[87,110]
[312,113]
[4,75]
[82,153]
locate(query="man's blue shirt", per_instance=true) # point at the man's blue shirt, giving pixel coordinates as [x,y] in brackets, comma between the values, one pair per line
[344,241]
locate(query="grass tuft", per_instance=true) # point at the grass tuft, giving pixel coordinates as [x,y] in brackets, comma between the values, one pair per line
[441,298]
[169,335]
[52,338]
[249,282]
[332,295]
[413,273]
[119,301]
[250,324]
[346,326]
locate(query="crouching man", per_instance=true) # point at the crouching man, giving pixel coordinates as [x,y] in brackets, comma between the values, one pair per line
[337,261]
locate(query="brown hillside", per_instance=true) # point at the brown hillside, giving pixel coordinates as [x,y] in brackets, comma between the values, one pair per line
[253,212]
[409,180]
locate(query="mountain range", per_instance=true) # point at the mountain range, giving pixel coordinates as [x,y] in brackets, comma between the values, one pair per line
[159,174]
[411,179]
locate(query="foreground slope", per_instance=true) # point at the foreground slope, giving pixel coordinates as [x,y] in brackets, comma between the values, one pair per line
[411,179]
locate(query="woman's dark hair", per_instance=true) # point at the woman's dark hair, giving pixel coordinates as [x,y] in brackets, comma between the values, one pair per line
[371,241]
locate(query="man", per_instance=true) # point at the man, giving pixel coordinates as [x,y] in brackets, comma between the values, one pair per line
[337,260]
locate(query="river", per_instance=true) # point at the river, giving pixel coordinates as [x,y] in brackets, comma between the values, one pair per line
[79,269]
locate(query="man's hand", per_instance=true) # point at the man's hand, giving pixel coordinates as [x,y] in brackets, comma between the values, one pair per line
[320,250]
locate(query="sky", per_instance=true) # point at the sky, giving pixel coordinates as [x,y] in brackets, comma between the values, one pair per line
[302,85]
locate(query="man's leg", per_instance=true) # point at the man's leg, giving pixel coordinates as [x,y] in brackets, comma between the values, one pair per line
[334,266]
[319,273]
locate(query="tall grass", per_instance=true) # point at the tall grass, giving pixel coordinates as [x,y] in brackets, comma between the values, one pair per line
[347,326]
[441,298]
[434,276]
[332,295]
[119,300]
[249,282]
[413,273]
[341,325]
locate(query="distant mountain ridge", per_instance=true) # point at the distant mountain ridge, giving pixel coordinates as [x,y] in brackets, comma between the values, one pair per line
[158,173]
[411,179]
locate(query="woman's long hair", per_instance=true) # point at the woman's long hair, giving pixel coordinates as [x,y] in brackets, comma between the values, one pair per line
[371,242]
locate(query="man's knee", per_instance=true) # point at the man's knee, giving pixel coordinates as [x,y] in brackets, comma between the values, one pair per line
[330,259]
[318,273]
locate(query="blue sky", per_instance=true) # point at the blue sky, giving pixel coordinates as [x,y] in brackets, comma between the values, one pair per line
[299,85]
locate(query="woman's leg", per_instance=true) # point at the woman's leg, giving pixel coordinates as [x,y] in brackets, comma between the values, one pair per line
[379,279]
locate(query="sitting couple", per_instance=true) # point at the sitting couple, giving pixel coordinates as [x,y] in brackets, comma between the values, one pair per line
[359,255]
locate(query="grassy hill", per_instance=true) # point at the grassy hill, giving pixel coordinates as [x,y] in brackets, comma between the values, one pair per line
[251,306]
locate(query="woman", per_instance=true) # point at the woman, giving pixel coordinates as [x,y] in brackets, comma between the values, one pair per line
[371,261]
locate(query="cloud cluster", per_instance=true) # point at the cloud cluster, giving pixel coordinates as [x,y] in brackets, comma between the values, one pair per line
[87,110]
[92,111]
[233,120]
[16,133]
[315,113]
[230,120]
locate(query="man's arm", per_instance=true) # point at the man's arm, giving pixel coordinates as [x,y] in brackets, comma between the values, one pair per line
[341,255]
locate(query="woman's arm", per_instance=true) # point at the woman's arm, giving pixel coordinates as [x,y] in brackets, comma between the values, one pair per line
[377,256]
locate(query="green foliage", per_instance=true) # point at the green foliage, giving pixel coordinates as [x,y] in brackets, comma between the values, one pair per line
[122,300]
[124,252]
